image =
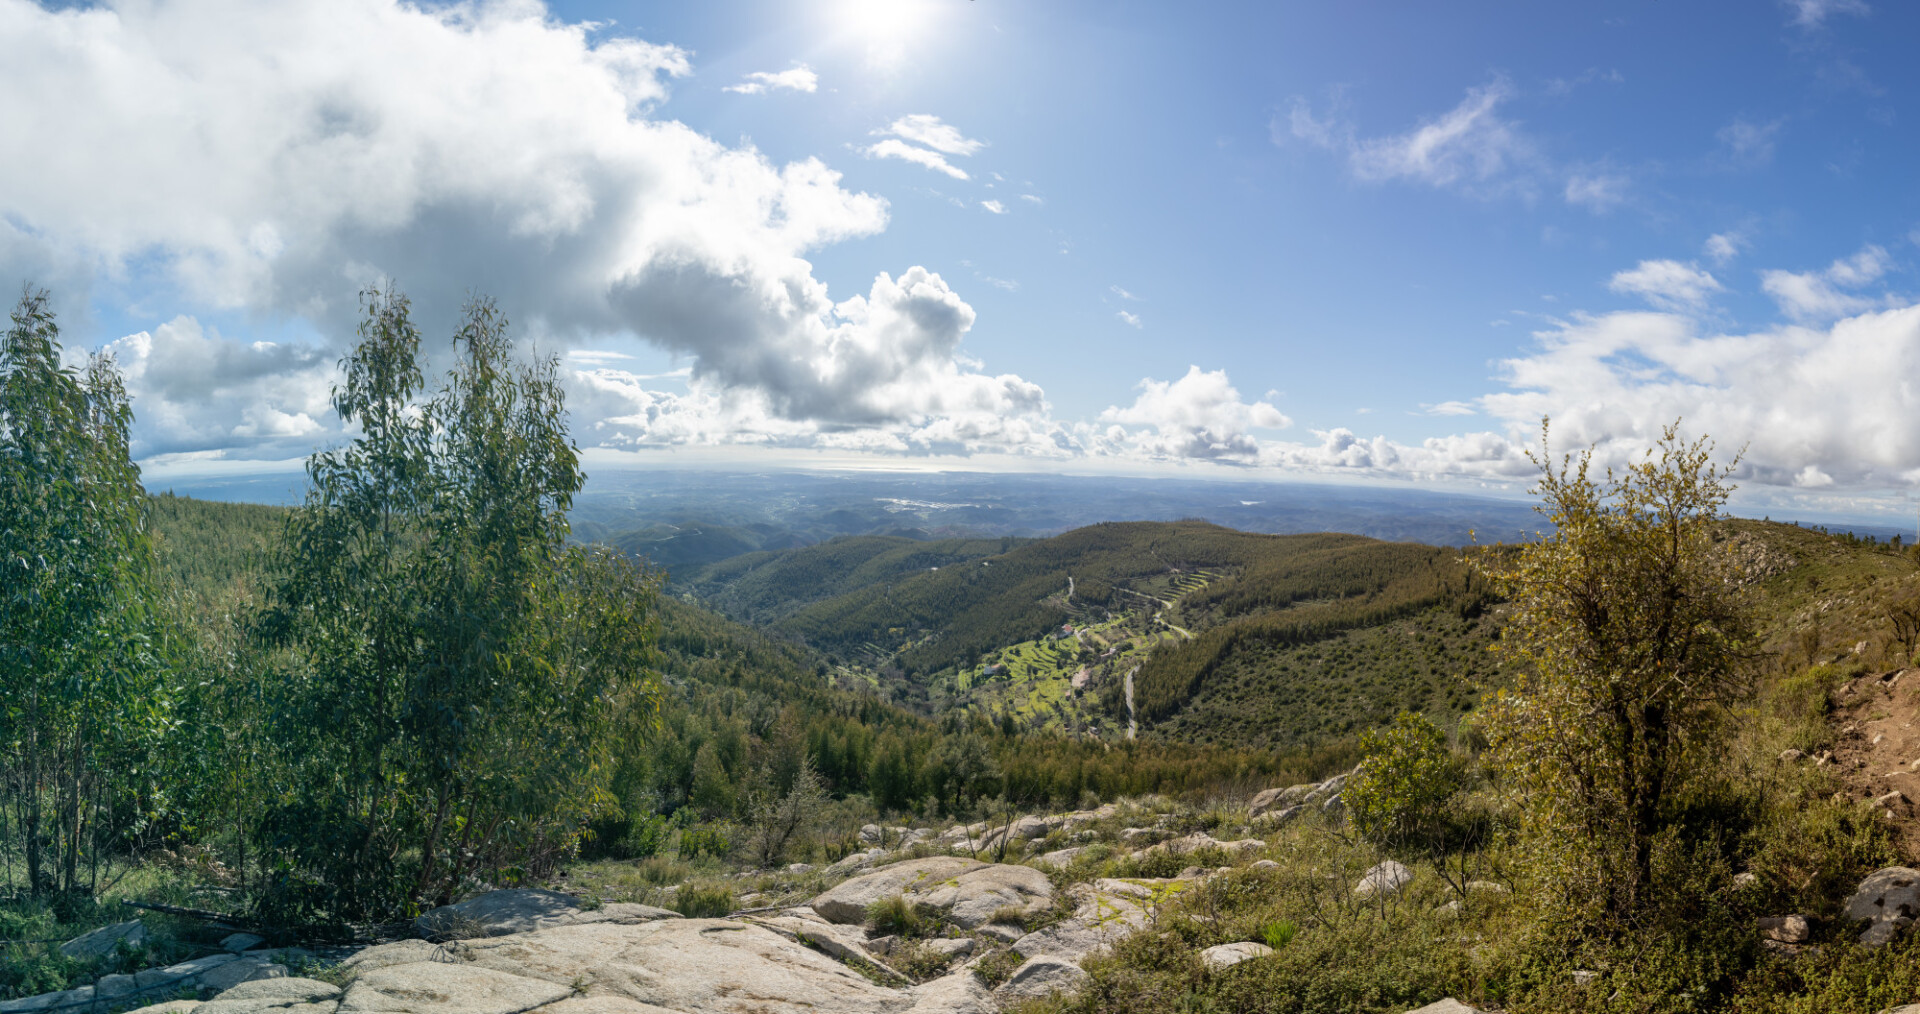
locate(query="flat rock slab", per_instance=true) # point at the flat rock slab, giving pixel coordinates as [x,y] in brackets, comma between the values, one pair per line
[1099,920]
[695,966]
[1452,1006]
[286,995]
[967,891]
[170,1007]
[440,987]
[101,942]
[602,1005]
[497,913]
[234,973]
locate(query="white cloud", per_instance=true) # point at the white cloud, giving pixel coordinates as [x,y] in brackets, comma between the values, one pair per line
[1451,408]
[1597,193]
[1723,247]
[893,148]
[1814,13]
[1129,319]
[1823,295]
[1031,197]
[1835,400]
[994,206]
[1748,144]
[196,390]
[1200,416]
[1667,284]
[277,158]
[930,131]
[799,78]
[1124,294]
[1470,147]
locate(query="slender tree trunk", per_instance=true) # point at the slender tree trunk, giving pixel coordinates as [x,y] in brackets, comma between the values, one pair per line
[431,842]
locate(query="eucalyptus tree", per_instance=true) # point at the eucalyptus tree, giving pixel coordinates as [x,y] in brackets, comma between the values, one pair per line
[83,695]
[468,670]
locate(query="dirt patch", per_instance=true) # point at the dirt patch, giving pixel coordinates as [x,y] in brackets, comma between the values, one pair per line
[1876,750]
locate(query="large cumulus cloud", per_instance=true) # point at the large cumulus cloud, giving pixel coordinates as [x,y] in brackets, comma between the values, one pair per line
[274,158]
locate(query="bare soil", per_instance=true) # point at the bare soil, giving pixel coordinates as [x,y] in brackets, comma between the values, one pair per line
[1876,749]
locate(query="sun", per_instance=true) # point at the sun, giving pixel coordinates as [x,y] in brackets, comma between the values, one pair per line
[888,29]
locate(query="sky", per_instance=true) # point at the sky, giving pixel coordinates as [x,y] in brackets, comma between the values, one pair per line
[1359,241]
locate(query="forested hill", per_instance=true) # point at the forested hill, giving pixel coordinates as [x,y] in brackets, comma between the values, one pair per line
[743,707]
[767,587]
[1049,628]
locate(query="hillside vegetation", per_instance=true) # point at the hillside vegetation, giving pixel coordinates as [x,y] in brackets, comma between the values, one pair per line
[1219,629]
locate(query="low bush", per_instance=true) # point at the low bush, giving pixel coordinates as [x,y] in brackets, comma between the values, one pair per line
[702,901]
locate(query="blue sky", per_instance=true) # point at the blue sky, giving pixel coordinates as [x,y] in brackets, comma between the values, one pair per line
[1329,240]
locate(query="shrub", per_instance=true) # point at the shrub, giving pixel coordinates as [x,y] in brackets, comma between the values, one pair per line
[1402,791]
[706,839]
[702,901]
[896,915]
[1278,933]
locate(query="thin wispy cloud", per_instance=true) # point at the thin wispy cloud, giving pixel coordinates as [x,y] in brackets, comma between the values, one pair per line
[931,131]
[894,148]
[1130,319]
[1723,247]
[1814,13]
[925,140]
[1598,193]
[800,78]
[1749,145]
[1470,147]
[994,206]
[1667,284]
[1123,293]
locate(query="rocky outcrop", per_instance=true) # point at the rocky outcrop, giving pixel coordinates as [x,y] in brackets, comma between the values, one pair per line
[119,992]
[966,892]
[1100,919]
[1201,840]
[1887,901]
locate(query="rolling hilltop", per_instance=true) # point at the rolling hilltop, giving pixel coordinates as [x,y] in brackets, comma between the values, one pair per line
[1055,630]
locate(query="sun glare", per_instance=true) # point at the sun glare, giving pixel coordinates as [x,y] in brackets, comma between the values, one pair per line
[887,29]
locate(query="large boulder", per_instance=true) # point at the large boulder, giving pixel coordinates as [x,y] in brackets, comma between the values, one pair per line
[966,891]
[1225,956]
[1887,901]
[1275,799]
[1386,878]
[1039,978]
[1028,828]
[1447,1006]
